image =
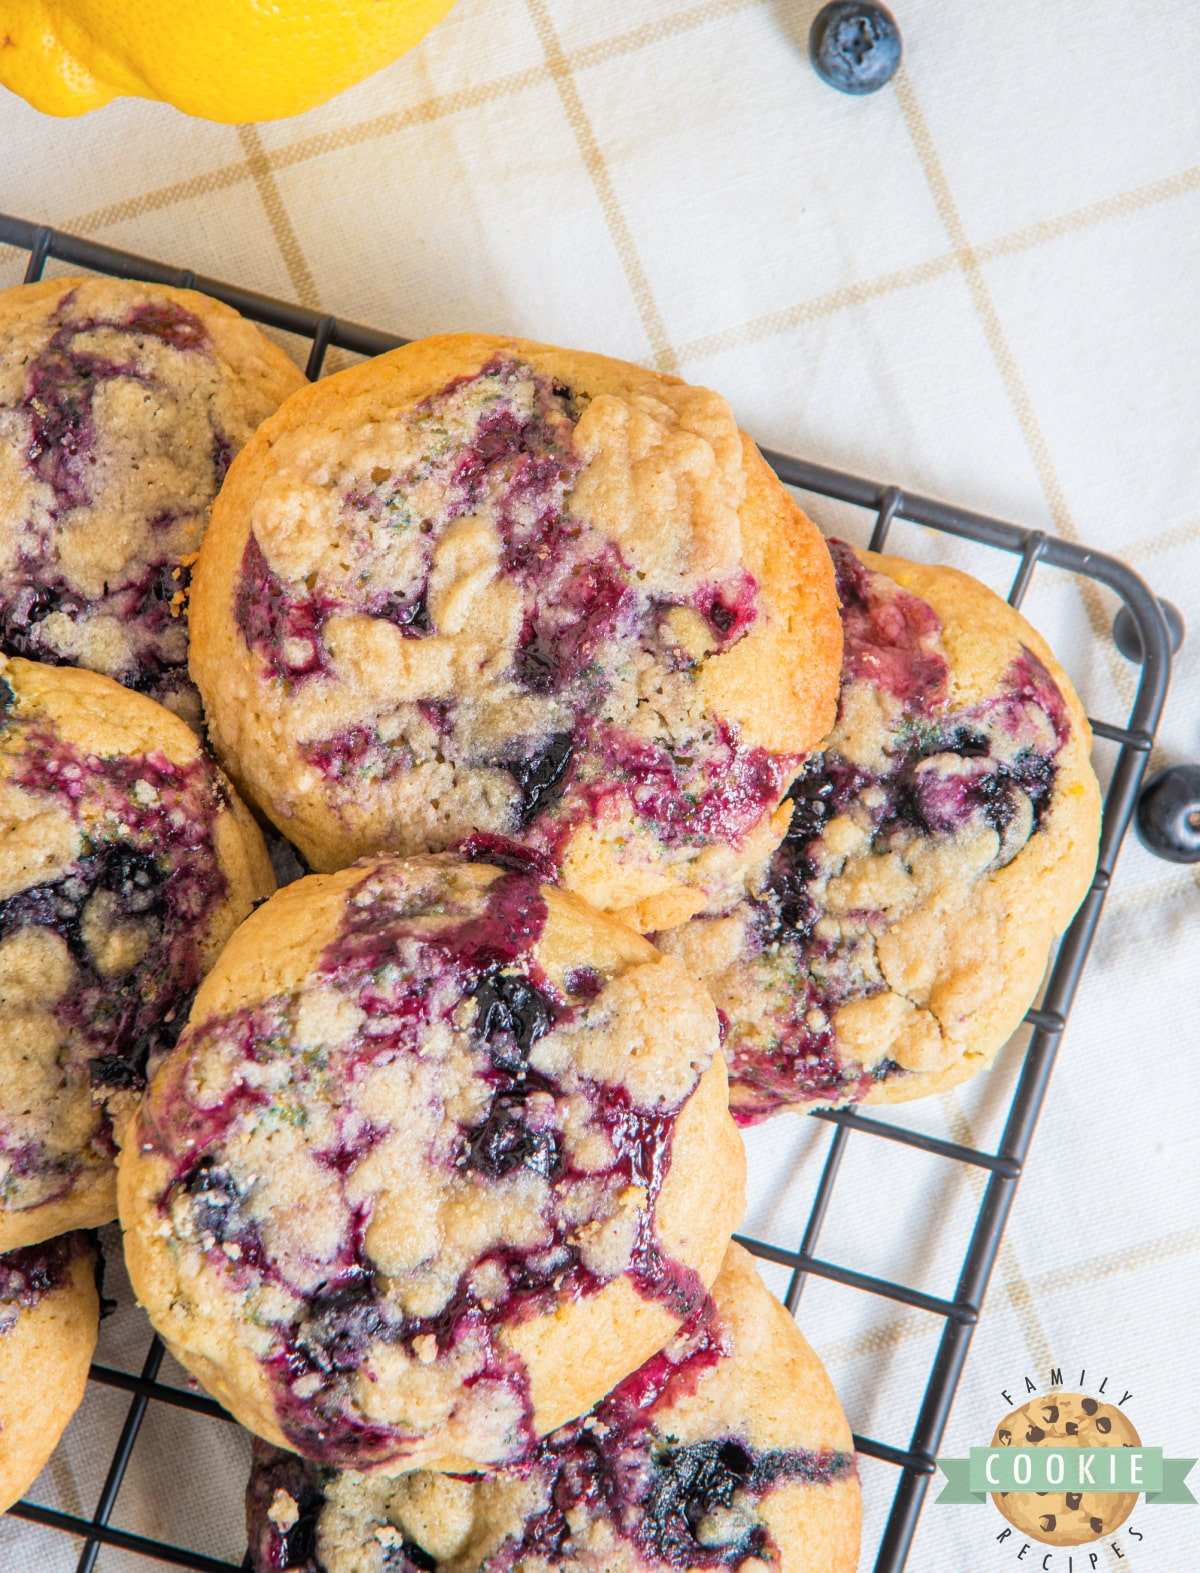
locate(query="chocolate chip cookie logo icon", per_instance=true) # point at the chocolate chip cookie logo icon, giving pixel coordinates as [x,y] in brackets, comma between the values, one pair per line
[1066,1469]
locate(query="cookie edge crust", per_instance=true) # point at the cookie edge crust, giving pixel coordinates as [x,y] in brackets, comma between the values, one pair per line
[797,656]
[1045,883]
[86,1206]
[48,1354]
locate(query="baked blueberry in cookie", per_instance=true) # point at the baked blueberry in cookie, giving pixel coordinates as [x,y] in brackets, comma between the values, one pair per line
[126,861]
[726,1450]
[121,407]
[49,1315]
[941,837]
[441,1156]
[485,586]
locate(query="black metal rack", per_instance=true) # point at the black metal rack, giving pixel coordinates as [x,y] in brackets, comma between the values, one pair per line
[916,1460]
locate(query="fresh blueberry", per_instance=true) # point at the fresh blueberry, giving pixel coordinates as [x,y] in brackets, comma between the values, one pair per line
[167,1021]
[1168,814]
[854,46]
[721,617]
[481,846]
[56,905]
[1129,642]
[299,1543]
[135,877]
[963,740]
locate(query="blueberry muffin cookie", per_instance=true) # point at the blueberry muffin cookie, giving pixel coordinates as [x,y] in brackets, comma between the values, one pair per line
[1066,1518]
[940,839]
[49,1316]
[441,1156]
[481,585]
[727,1450]
[126,862]
[121,406]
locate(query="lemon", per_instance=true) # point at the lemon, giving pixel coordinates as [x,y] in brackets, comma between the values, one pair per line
[228,60]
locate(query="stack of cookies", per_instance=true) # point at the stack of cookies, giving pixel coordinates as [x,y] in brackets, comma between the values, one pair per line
[634,811]
[126,859]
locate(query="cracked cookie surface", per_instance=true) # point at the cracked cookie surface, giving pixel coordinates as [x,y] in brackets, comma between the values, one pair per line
[482,585]
[49,1316]
[441,1155]
[726,1450]
[121,406]
[126,861]
[941,837]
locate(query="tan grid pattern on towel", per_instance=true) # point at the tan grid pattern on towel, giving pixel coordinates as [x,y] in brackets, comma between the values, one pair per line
[949,350]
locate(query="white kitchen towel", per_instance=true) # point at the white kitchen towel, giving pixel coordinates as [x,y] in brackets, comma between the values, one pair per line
[981,283]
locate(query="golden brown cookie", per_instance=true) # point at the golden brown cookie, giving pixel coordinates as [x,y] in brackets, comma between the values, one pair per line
[1057,1518]
[126,862]
[483,585]
[728,1449]
[941,838]
[442,1155]
[49,1316]
[121,406]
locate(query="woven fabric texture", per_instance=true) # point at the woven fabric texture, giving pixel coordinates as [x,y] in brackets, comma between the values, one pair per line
[979,283]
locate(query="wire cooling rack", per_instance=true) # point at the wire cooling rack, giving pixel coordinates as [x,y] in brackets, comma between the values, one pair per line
[1033,549]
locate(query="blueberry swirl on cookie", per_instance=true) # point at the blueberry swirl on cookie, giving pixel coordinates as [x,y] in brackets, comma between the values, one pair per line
[122,405]
[480,585]
[125,864]
[726,1450]
[941,837]
[441,1155]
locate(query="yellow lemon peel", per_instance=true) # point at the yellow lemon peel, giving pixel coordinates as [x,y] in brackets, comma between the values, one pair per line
[224,60]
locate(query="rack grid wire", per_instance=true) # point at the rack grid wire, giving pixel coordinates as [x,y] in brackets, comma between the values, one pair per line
[915,1462]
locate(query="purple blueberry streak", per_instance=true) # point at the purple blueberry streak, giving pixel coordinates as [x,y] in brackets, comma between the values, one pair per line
[990,756]
[501,444]
[618,1465]
[65,452]
[149,848]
